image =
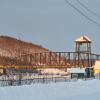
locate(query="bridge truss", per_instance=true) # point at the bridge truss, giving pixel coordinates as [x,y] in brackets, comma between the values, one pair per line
[68,59]
[52,59]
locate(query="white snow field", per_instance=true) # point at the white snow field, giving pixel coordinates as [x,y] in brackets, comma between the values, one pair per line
[80,90]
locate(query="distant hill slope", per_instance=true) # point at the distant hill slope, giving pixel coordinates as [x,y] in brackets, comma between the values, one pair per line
[11,49]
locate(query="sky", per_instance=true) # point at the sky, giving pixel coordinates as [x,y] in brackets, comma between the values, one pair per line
[50,23]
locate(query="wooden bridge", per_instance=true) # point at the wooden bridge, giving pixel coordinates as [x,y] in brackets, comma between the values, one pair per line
[82,57]
[67,59]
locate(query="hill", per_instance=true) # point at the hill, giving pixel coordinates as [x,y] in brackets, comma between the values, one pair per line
[11,49]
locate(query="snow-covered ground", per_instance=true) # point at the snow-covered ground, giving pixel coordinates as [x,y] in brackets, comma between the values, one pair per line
[80,90]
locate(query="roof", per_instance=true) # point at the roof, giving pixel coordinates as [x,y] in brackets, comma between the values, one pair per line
[83,39]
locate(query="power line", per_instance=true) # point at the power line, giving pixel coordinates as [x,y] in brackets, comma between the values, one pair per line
[79,11]
[88,9]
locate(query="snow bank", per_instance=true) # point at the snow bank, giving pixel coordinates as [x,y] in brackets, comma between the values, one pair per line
[80,90]
[53,71]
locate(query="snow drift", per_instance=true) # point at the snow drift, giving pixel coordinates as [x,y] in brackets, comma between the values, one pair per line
[80,90]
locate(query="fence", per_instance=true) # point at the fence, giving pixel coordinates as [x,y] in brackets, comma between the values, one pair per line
[32,81]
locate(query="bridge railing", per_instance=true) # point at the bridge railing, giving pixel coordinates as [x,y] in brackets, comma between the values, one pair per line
[62,59]
[68,59]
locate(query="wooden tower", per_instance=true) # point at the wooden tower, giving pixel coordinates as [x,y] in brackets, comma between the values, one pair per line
[83,52]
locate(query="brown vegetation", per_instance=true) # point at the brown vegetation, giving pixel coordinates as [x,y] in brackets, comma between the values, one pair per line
[11,49]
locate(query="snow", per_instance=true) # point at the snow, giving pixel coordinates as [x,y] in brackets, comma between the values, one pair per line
[53,71]
[76,70]
[80,90]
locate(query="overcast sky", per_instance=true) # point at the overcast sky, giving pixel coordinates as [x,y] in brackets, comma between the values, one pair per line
[51,23]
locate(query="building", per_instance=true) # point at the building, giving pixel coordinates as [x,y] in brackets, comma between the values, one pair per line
[97,67]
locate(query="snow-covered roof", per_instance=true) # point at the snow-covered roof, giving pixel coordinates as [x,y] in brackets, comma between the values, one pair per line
[83,39]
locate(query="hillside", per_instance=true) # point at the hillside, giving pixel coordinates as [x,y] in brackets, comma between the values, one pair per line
[9,44]
[11,49]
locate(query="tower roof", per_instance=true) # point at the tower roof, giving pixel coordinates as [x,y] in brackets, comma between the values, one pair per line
[83,39]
